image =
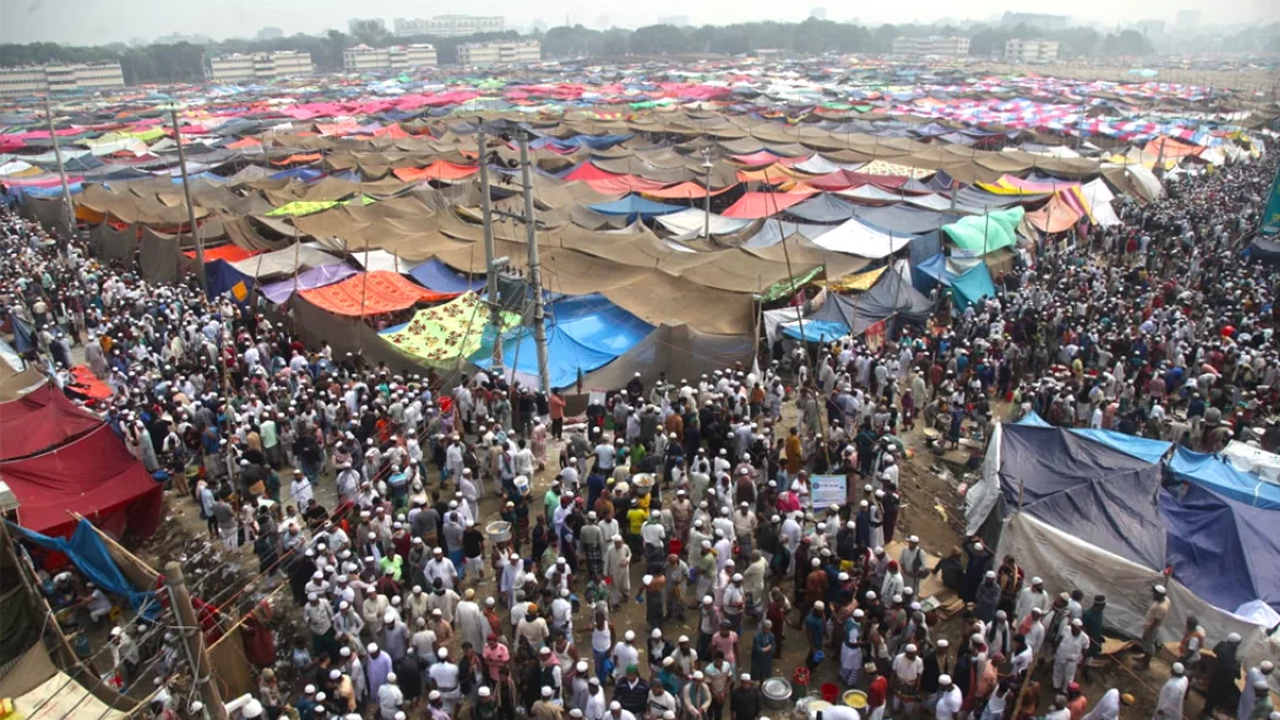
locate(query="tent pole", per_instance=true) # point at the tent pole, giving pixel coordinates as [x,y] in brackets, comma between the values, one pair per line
[1020,489]
[191,210]
[535,269]
[491,273]
[62,175]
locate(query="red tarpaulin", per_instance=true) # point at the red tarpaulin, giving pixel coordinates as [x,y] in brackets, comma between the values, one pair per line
[227,253]
[371,293]
[685,191]
[43,419]
[756,205]
[94,476]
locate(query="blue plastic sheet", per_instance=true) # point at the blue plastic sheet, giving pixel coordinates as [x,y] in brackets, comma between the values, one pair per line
[972,286]
[89,554]
[435,275]
[222,277]
[584,333]
[1222,478]
[1226,552]
[635,206]
[1146,449]
[817,330]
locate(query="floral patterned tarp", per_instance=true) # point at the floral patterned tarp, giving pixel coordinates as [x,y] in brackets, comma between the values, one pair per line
[441,334]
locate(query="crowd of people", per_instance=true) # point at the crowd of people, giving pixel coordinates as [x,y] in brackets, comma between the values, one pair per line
[692,498]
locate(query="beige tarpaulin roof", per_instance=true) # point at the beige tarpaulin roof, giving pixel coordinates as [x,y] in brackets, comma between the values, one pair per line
[42,692]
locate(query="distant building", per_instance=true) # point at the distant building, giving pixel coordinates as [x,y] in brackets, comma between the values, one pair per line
[500,52]
[449,25]
[1187,20]
[260,67]
[1039,21]
[39,80]
[931,46]
[366,25]
[270,33]
[1036,51]
[363,58]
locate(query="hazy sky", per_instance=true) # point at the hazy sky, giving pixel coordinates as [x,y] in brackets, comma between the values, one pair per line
[89,22]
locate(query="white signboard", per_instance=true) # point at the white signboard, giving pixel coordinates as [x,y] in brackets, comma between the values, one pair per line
[828,491]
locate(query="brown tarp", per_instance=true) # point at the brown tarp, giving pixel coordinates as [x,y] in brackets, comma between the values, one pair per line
[115,244]
[677,350]
[159,259]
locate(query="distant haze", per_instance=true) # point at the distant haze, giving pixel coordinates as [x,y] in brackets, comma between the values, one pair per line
[96,22]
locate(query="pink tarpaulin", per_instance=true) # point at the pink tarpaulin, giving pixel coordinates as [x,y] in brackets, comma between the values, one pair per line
[756,205]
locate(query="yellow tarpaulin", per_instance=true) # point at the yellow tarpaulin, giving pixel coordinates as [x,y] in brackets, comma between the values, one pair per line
[858,282]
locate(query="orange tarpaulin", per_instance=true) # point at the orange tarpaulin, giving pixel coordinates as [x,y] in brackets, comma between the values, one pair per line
[229,253]
[1055,217]
[684,191]
[623,184]
[439,170]
[371,293]
[773,175]
[244,143]
[300,158]
[1169,148]
[756,205]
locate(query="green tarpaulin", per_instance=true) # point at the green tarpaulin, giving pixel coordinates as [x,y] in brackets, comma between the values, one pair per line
[782,288]
[982,234]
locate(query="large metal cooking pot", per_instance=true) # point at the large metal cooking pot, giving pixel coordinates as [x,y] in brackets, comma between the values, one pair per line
[777,694]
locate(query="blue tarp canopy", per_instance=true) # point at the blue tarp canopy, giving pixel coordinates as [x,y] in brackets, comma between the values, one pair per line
[435,275]
[584,333]
[973,285]
[1102,496]
[823,208]
[635,206]
[222,277]
[89,554]
[1221,477]
[1226,552]
[1142,448]
[936,269]
[816,330]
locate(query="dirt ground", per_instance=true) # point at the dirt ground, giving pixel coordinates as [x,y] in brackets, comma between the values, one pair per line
[932,508]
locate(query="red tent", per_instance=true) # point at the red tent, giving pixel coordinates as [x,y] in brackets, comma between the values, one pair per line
[43,419]
[94,476]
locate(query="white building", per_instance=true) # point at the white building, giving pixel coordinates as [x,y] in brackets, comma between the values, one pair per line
[1030,51]
[260,67]
[38,80]
[500,52]
[931,46]
[363,58]
[448,25]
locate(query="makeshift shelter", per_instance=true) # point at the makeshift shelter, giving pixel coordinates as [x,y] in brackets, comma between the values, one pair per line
[856,237]
[890,300]
[278,292]
[972,286]
[44,418]
[444,335]
[438,277]
[980,234]
[634,207]
[677,350]
[1091,516]
[583,334]
[1225,479]
[371,293]
[95,476]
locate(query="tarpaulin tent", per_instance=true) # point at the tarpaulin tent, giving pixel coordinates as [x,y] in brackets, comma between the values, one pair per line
[635,206]
[756,205]
[1264,251]
[1147,449]
[278,292]
[982,234]
[442,335]
[584,333]
[42,419]
[95,476]
[1224,479]
[890,299]
[370,293]
[856,237]
[1225,551]
[677,350]
[438,277]
[1096,518]
[88,552]
[971,286]
[222,277]
[822,208]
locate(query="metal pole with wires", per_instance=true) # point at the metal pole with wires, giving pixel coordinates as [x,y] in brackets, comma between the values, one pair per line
[490,268]
[706,171]
[186,194]
[67,209]
[535,268]
[193,639]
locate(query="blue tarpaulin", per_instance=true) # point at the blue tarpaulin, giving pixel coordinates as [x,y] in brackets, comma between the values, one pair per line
[222,277]
[635,206]
[1226,552]
[1142,448]
[1219,476]
[89,554]
[584,333]
[435,275]
[817,330]
[972,286]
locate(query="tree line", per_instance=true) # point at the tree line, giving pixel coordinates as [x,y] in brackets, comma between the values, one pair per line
[187,62]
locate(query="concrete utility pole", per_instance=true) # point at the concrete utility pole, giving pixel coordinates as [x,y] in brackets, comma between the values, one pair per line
[193,639]
[67,208]
[491,270]
[535,269]
[191,209]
